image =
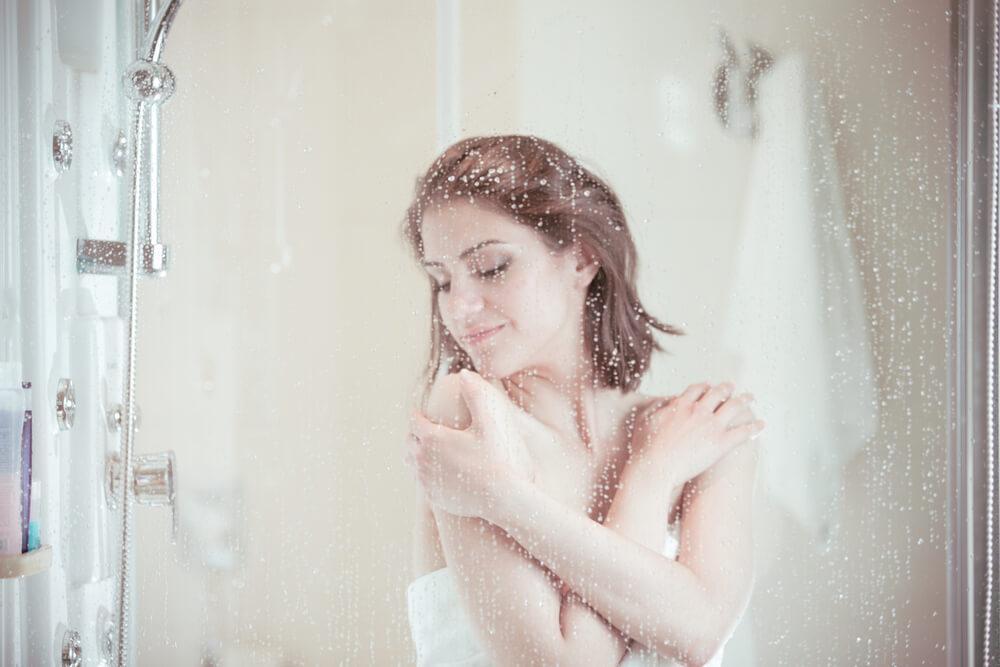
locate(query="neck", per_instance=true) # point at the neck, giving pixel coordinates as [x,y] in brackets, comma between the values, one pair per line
[566,401]
[562,390]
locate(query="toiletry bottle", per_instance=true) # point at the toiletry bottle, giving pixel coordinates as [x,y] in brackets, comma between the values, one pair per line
[26,466]
[12,407]
[34,528]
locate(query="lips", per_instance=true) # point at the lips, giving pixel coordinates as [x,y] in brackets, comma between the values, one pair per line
[480,335]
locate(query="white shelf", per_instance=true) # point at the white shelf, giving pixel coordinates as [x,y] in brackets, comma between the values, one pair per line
[25,565]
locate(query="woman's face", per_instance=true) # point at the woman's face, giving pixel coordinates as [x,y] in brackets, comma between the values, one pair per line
[496,275]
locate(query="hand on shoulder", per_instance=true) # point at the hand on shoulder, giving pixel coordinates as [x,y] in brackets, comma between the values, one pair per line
[684,435]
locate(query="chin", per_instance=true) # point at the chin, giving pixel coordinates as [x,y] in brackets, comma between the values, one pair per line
[492,365]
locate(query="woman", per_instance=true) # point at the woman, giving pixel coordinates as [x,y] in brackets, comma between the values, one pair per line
[549,486]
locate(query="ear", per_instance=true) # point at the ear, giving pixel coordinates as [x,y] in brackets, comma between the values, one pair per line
[586,265]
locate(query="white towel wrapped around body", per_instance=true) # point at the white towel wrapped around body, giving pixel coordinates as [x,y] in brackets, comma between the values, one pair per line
[443,635]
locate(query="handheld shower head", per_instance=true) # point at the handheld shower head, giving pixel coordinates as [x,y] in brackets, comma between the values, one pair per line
[152,47]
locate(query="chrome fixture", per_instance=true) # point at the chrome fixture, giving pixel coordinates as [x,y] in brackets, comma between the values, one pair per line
[148,83]
[72,649]
[119,154]
[62,146]
[105,635]
[65,404]
[111,257]
[154,482]
[116,417]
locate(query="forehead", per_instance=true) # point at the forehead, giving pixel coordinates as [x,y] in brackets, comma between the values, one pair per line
[450,229]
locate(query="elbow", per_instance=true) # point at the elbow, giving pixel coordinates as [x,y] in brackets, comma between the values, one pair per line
[711,643]
[587,652]
[530,653]
[704,644]
[703,653]
[571,657]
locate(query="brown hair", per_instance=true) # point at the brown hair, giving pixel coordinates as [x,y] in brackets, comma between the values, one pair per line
[538,184]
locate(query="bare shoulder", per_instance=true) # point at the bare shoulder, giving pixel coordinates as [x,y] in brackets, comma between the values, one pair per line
[640,404]
[738,466]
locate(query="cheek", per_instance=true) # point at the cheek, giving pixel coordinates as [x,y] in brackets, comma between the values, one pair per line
[536,304]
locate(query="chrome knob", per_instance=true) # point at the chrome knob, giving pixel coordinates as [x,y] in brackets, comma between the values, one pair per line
[72,648]
[105,635]
[119,154]
[65,404]
[154,478]
[154,482]
[62,146]
[116,417]
[149,82]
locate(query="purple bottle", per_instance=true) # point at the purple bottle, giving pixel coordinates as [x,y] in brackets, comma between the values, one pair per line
[26,467]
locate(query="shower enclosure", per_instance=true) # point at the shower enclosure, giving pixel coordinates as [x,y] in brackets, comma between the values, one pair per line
[205,304]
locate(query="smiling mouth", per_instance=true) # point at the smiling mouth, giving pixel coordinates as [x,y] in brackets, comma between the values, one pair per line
[480,337]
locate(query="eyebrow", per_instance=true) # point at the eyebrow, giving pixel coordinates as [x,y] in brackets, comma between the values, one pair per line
[467,251]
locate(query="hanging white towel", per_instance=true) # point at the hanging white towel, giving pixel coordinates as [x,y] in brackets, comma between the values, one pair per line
[796,321]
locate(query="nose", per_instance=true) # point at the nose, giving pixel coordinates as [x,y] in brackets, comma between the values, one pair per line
[465,299]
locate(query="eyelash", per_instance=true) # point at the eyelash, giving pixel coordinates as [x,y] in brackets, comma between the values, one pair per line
[492,273]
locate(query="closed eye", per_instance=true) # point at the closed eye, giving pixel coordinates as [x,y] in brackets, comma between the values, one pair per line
[485,275]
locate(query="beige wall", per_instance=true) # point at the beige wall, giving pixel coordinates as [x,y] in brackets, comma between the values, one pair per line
[279,354]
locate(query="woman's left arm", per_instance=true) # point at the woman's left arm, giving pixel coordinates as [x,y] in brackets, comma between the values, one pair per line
[685,609]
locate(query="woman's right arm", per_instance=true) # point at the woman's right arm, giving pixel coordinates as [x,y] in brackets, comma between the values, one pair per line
[511,599]
[427,553]
[515,604]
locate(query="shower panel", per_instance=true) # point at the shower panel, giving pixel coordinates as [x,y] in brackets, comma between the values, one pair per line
[78,173]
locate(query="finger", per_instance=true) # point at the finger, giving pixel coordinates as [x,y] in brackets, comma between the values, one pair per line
[716,395]
[695,391]
[423,428]
[745,432]
[485,401]
[733,406]
[497,384]
[645,411]
[742,418]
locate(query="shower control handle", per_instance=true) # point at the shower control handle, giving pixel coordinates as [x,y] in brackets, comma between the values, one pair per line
[154,482]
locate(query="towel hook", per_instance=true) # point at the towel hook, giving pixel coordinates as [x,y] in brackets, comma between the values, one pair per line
[735,85]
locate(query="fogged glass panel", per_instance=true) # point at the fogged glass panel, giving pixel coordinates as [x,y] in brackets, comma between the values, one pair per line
[781,170]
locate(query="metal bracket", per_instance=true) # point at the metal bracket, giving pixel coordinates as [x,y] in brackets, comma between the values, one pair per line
[111,257]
